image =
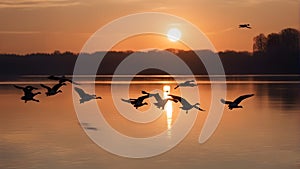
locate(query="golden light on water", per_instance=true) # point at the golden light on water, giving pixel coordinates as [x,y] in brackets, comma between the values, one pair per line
[168,106]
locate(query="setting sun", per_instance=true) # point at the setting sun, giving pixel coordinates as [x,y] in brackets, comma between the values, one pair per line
[174,34]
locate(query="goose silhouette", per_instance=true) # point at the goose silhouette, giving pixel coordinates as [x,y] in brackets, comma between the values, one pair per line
[54,90]
[28,94]
[236,102]
[138,102]
[185,104]
[87,126]
[62,79]
[160,103]
[245,26]
[84,97]
[187,83]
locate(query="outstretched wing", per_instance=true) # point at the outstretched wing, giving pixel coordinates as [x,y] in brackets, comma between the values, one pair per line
[57,86]
[131,101]
[47,87]
[189,81]
[175,97]
[180,99]
[225,102]
[142,98]
[18,87]
[62,79]
[174,100]
[80,92]
[241,98]
[157,97]
[144,92]
[53,77]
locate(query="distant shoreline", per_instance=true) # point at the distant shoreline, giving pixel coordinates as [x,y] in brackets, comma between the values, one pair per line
[233,63]
[154,78]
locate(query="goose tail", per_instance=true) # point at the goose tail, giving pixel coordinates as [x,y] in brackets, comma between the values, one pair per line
[127,101]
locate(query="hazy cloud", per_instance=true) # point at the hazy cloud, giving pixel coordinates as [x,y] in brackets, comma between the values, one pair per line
[221,31]
[161,8]
[19,32]
[36,3]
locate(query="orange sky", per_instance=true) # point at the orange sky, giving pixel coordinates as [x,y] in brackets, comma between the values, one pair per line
[44,26]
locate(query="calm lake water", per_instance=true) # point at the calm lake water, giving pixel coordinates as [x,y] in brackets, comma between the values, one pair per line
[264,134]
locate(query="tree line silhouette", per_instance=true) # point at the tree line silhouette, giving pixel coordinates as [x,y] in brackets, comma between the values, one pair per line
[280,51]
[276,53]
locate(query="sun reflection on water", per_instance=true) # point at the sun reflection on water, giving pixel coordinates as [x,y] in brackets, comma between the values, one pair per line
[168,106]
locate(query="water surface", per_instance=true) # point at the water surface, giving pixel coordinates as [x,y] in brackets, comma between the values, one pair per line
[264,134]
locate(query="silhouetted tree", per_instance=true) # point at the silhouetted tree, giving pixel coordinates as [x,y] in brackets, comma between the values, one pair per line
[259,44]
[283,51]
[290,41]
[56,53]
[273,44]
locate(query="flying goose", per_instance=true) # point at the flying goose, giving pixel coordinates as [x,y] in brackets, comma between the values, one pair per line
[87,126]
[54,90]
[84,97]
[245,26]
[28,94]
[187,83]
[185,104]
[160,103]
[236,102]
[61,79]
[138,102]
